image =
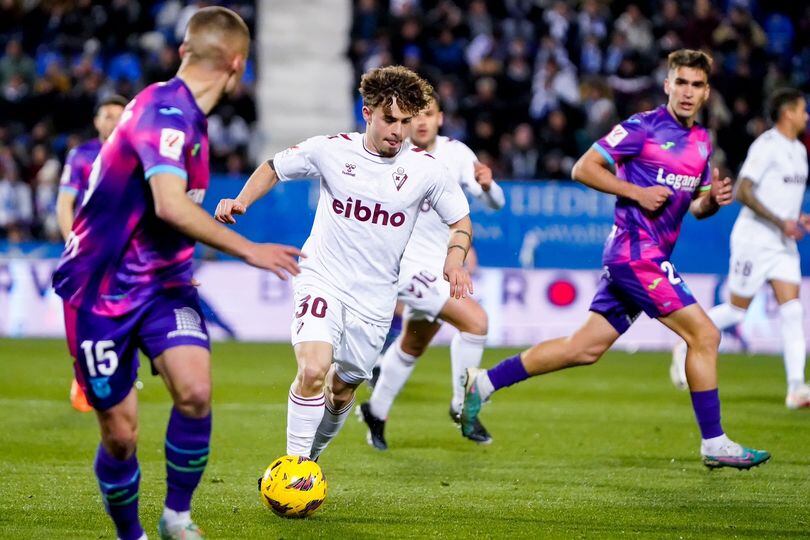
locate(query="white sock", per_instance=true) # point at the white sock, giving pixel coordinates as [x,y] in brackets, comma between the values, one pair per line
[303,417]
[793,344]
[466,351]
[720,446]
[726,315]
[329,427]
[175,519]
[485,386]
[395,370]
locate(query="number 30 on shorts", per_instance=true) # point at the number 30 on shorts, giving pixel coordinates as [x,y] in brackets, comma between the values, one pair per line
[317,308]
[100,357]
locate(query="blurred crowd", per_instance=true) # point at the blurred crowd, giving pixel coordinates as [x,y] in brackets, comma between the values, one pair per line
[530,84]
[59,59]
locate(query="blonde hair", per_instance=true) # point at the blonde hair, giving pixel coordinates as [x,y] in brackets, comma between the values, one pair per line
[216,34]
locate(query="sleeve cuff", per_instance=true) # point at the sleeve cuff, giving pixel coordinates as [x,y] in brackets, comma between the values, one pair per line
[605,154]
[170,169]
[457,218]
[69,189]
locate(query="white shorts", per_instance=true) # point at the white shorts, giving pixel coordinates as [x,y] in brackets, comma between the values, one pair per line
[356,344]
[751,266]
[423,292]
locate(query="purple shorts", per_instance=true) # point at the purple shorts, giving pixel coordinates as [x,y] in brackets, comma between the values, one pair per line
[105,349]
[649,285]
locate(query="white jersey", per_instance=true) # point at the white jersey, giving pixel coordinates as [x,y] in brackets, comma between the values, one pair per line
[778,168]
[427,247]
[366,212]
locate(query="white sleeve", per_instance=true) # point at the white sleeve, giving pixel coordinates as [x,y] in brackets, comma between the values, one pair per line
[494,198]
[756,162]
[465,161]
[447,198]
[299,161]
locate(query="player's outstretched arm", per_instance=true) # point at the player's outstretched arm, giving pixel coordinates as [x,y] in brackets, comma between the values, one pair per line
[746,196]
[594,171]
[457,248]
[491,193]
[257,186]
[173,206]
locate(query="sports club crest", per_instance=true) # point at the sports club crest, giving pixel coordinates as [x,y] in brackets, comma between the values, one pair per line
[399,177]
[703,150]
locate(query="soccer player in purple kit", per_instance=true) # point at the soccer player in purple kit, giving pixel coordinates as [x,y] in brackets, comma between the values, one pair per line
[662,170]
[126,273]
[72,186]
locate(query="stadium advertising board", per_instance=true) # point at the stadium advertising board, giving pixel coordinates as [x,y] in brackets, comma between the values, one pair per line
[524,306]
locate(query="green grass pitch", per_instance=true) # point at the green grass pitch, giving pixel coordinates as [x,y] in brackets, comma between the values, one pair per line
[605,451]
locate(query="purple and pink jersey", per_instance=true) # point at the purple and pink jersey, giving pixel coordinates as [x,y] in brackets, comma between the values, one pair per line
[76,173]
[653,149]
[649,149]
[120,254]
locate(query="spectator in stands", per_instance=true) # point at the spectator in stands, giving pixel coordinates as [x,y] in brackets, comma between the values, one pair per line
[16,203]
[593,20]
[44,180]
[557,136]
[600,110]
[638,29]
[16,63]
[669,27]
[701,25]
[553,86]
[522,158]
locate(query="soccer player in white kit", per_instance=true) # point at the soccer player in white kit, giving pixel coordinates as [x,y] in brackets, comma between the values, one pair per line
[763,241]
[425,295]
[372,187]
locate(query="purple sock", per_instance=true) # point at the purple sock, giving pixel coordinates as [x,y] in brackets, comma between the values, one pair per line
[507,373]
[119,482]
[187,441]
[707,412]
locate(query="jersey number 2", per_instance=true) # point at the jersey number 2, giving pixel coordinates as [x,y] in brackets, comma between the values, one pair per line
[667,267]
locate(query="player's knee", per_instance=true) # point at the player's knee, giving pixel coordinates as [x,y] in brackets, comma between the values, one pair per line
[194,400]
[584,354]
[121,441]
[311,378]
[414,347]
[479,324]
[707,340]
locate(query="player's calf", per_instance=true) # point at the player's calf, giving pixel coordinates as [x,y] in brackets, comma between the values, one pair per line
[339,403]
[116,466]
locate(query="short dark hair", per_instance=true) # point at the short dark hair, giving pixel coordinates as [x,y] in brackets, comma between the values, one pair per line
[380,86]
[690,58]
[112,99]
[781,98]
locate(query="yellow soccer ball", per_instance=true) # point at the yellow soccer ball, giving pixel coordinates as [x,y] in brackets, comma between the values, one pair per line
[293,487]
